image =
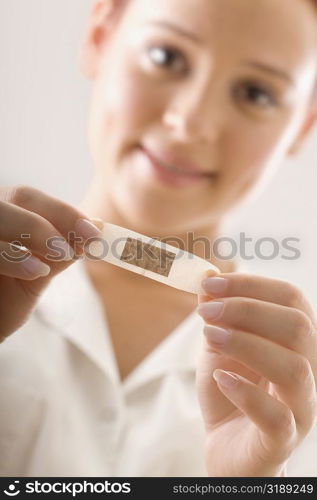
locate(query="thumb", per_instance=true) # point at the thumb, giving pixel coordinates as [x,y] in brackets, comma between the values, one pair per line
[36,287]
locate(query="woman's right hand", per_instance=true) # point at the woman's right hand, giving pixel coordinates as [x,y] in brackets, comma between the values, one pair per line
[32,218]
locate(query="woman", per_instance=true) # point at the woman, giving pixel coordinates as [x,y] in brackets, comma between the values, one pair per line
[194,104]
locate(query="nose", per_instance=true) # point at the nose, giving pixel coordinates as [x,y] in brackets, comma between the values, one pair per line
[193,114]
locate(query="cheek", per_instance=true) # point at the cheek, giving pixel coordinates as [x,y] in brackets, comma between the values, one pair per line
[251,153]
[128,102]
[122,113]
[251,148]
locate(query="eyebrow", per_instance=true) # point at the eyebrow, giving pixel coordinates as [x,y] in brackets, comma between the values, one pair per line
[271,69]
[188,34]
[192,36]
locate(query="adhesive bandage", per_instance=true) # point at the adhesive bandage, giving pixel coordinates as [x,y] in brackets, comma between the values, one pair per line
[150,257]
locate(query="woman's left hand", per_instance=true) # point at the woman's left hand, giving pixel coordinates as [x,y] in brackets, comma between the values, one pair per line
[264,331]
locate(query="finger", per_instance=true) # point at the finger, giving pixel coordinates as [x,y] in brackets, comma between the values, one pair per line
[214,405]
[68,220]
[271,417]
[286,326]
[257,287]
[291,373]
[18,263]
[32,231]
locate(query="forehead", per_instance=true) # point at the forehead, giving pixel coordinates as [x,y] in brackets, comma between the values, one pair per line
[288,27]
[204,14]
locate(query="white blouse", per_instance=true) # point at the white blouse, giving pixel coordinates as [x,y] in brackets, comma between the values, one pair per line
[65,412]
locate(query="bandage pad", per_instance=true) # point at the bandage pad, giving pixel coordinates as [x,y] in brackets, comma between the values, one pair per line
[151,258]
[148,256]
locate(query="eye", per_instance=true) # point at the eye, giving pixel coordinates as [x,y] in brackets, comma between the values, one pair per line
[256,94]
[167,57]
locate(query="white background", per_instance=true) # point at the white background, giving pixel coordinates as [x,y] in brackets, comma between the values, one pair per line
[44,103]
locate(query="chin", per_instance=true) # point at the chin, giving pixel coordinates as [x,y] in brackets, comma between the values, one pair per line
[150,210]
[149,220]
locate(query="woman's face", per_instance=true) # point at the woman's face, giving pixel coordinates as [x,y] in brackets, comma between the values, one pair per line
[219,86]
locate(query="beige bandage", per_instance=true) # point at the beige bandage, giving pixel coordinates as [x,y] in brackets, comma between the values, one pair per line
[151,258]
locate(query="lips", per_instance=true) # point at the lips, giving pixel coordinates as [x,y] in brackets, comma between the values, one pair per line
[182,167]
[172,175]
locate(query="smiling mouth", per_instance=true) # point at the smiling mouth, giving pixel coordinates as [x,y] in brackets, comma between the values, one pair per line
[166,173]
[180,171]
[184,172]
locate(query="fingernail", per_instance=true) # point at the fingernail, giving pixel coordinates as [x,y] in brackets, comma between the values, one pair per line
[85,229]
[210,310]
[216,335]
[35,267]
[214,285]
[210,273]
[97,222]
[227,379]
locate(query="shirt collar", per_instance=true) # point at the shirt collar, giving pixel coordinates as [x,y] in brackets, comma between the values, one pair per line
[72,306]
